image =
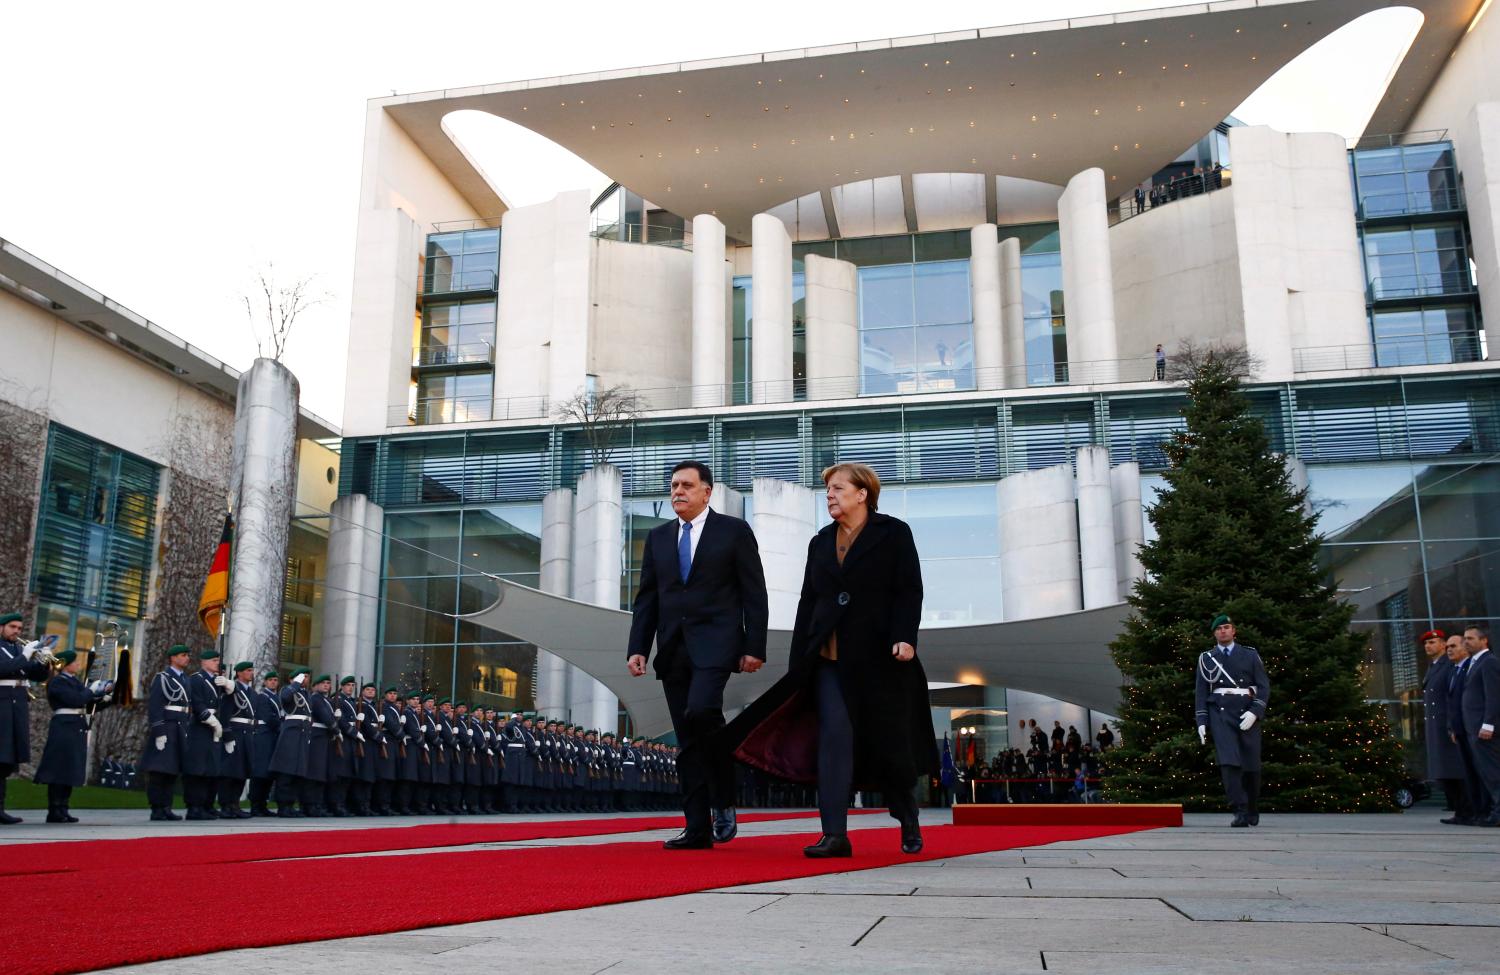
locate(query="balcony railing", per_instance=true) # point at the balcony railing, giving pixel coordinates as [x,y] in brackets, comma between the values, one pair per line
[1400,287]
[956,380]
[635,233]
[1194,184]
[455,355]
[460,282]
[1386,140]
[1392,351]
[1446,199]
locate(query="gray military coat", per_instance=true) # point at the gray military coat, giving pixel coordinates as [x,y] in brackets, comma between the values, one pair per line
[1443,758]
[1242,669]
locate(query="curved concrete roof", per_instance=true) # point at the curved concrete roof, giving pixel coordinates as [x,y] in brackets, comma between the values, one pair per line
[1066,657]
[737,136]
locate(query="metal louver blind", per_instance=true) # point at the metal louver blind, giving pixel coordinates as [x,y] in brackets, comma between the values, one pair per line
[951,445]
[1138,431]
[423,471]
[506,468]
[1050,435]
[97,526]
[762,448]
[871,438]
[1339,423]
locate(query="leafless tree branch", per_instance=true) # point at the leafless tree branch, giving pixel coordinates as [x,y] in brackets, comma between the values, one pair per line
[603,415]
[284,304]
[1190,359]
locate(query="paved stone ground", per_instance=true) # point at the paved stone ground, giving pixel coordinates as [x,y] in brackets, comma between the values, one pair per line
[1299,894]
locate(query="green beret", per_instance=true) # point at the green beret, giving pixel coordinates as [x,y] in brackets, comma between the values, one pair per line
[412,693]
[1219,621]
[460,704]
[389,690]
[271,673]
[368,683]
[10,618]
[209,654]
[445,700]
[321,678]
[243,665]
[429,697]
[67,656]
[178,649]
[351,679]
[302,670]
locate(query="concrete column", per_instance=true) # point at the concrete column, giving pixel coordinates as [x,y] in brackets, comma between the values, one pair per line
[784,523]
[727,501]
[771,310]
[1088,280]
[378,365]
[832,289]
[1038,543]
[1477,142]
[263,481]
[1096,529]
[1296,473]
[985,299]
[1012,314]
[556,578]
[1130,525]
[710,324]
[598,549]
[366,660]
[343,583]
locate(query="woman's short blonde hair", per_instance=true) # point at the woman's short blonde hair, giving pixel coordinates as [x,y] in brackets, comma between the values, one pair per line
[859,475]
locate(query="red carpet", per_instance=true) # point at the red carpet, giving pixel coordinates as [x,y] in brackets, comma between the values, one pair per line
[1045,814]
[214,847]
[101,923]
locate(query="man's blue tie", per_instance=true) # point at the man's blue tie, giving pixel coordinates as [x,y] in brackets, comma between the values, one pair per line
[685,550]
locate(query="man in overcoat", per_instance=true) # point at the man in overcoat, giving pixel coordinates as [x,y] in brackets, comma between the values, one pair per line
[1230,698]
[64,763]
[168,716]
[19,665]
[702,602]
[1481,717]
[236,759]
[1444,763]
[268,714]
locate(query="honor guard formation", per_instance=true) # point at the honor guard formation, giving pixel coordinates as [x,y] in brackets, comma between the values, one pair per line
[318,749]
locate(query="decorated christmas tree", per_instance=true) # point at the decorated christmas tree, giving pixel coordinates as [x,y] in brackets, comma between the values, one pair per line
[1234,535]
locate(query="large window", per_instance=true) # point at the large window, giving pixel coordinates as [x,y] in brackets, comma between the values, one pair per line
[458,333]
[743,327]
[1417,262]
[454,397]
[1394,180]
[466,260]
[916,328]
[1421,336]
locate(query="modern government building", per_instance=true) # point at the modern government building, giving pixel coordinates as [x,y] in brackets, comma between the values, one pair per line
[951,257]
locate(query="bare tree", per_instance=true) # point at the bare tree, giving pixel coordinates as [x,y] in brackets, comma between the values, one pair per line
[274,308]
[1191,357]
[603,415]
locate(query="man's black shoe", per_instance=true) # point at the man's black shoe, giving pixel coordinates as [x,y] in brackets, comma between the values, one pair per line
[1492,820]
[1455,820]
[1240,819]
[911,838]
[6,819]
[690,841]
[1254,818]
[726,826]
[288,812]
[196,813]
[829,847]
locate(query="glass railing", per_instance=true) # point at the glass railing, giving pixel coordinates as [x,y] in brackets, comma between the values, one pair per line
[1195,184]
[1392,351]
[1445,199]
[460,282]
[456,355]
[635,233]
[1432,284]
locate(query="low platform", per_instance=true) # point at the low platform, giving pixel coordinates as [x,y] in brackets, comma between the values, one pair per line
[1046,814]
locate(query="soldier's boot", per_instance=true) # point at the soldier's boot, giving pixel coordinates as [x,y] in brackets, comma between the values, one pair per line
[287,810]
[57,814]
[260,810]
[199,813]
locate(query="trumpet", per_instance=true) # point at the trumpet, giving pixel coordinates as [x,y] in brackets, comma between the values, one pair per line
[44,651]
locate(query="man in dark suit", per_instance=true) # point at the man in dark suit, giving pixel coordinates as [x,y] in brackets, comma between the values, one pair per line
[1231,693]
[702,599]
[1444,765]
[1473,790]
[1481,710]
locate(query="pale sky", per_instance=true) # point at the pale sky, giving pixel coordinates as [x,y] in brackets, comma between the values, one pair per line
[162,156]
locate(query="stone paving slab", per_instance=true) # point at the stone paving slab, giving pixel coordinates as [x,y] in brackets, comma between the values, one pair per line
[1342,910]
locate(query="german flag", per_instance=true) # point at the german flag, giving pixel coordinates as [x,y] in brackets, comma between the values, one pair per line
[216,586]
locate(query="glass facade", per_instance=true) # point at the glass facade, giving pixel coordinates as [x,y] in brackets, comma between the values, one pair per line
[95,538]
[453,360]
[462,261]
[1400,180]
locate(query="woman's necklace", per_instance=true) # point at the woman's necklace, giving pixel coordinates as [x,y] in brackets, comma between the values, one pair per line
[844,544]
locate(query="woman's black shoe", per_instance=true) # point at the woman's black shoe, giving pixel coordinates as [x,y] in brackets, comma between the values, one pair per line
[911,838]
[828,847]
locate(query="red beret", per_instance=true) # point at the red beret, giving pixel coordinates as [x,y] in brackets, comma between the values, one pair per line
[1434,633]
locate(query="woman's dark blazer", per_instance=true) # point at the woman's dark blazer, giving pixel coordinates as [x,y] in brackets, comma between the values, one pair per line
[873,601]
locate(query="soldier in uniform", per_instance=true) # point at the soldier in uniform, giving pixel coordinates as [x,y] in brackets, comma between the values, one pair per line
[369,741]
[324,744]
[437,794]
[490,760]
[1231,693]
[289,762]
[546,798]
[18,666]
[466,799]
[515,774]
[630,775]
[237,759]
[263,735]
[412,764]
[64,764]
[168,715]
[343,760]
[200,753]
[388,753]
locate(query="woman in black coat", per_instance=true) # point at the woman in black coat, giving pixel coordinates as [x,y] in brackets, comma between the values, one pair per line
[64,762]
[852,711]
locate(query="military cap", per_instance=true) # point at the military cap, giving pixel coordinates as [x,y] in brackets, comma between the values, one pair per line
[178,649]
[67,656]
[412,693]
[10,618]
[392,690]
[321,678]
[302,670]
[243,665]
[1219,621]
[209,654]
[271,673]
[429,696]
[368,683]
[351,679]
[445,700]
[1434,635]
[460,704]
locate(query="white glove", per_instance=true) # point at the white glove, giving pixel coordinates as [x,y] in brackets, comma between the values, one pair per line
[360,735]
[31,649]
[99,686]
[213,722]
[223,683]
[1202,735]
[1248,721]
